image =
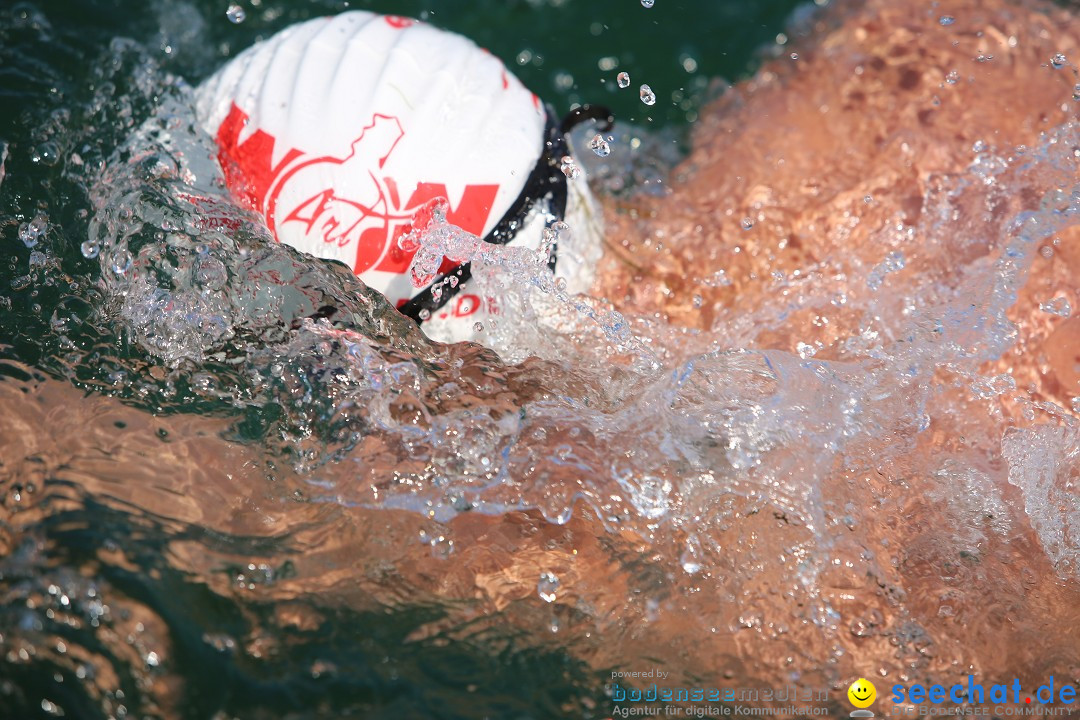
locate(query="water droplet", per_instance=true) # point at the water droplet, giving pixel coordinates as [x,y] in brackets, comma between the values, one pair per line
[1076,92]
[425,314]
[947,20]
[893,262]
[747,223]
[478,327]
[1075,403]
[623,79]
[805,350]
[953,77]
[1046,251]
[47,153]
[647,3]
[1059,61]
[600,146]
[1057,306]
[569,167]
[794,56]
[647,95]
[979,146]
[236,14]
[547,586]
[121,261]
[690,559]
[651,497]
[560,284]
[717,279]
[32,231]
[868,199]
[442,547]
[211,274]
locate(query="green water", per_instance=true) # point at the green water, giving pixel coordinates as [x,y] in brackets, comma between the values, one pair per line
[50,64]
[559,47]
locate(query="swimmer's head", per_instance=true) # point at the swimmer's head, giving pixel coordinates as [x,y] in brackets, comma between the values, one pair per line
[338,159]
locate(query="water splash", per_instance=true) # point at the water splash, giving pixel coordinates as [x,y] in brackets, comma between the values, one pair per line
[236,14]
[704,449]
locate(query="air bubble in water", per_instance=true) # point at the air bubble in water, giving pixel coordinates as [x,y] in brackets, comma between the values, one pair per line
[647,95]
[32,231]
[600,146]
[425,314]
[1057,306]
[547,587]
[623,79]
[1076,92]
[747,223]
[1059,61]
[90,249]
[478,327]
[647,3]
[947,20]
[953,77]
[236,14]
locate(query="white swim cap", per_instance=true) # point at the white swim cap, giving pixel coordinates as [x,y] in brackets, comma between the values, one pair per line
[339,129]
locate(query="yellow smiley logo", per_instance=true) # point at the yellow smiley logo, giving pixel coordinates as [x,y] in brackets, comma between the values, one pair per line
[862,693]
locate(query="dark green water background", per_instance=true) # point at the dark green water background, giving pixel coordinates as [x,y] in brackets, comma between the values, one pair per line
[50,55]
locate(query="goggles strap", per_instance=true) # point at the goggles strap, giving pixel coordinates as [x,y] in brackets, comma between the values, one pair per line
[546,180]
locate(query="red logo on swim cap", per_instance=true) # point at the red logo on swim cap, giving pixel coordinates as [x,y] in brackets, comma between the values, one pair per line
[396,21]
[341,202]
